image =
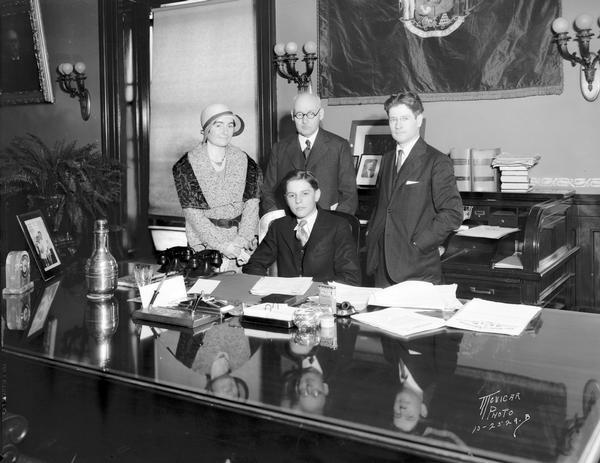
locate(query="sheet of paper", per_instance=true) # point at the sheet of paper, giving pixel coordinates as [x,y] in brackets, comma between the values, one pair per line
[271,311]
[171,292]
[203,286]
[400,322]
[280,285]
[487,231]
[417,294]
[358,296]
[494,317]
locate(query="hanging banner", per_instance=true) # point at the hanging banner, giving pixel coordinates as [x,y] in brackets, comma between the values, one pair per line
[441,49]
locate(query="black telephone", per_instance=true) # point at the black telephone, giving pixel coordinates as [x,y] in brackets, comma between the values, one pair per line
[185,260]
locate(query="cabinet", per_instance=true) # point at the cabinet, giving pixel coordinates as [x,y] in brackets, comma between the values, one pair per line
[533,265]
[587,281]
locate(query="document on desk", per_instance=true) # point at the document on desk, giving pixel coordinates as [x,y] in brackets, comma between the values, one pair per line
[417,295]
[279,285]
[494,317]
[204,286]
[358,296]
[401,322]
[487,231]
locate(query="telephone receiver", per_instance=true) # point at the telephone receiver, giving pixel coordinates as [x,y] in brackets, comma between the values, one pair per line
[185,260]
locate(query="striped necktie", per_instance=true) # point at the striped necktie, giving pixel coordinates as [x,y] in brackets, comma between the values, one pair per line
[307,150]
[301,232]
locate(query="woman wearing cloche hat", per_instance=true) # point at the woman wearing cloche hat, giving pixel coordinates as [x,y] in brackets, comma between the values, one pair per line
[218,187]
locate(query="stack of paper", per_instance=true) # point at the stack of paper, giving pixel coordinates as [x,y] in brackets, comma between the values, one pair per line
[494,317]
[417,294]
[477,315]
[487,231]
[358,296]
[281,285]
[515,171]
[401,322]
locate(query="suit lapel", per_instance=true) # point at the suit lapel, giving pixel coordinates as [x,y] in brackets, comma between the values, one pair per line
[316,232]
[296,154]
[414,159]
[318,150]
[289,236]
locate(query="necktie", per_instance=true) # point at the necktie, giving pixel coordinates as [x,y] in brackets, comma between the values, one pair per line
[307,150]
[301,232]
[399,160]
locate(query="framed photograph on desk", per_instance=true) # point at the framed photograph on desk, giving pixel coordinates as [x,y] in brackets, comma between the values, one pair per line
[368,169]
[40,243]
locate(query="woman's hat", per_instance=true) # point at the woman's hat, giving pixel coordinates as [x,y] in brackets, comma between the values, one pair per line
[213,111]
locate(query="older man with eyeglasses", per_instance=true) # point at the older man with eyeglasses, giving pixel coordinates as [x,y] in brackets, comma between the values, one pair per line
[312,148]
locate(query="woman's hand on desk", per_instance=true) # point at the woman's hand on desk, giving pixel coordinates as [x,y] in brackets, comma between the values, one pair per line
[232,250]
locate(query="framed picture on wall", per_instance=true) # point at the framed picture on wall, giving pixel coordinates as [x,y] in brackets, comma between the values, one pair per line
[40,243]
[370,137]
[368,169]
[24,69]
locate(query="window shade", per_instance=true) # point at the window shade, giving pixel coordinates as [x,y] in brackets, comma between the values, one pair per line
[201,54]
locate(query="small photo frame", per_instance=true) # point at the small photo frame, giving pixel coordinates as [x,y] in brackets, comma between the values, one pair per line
[368,169]
[41,313]
[40,243]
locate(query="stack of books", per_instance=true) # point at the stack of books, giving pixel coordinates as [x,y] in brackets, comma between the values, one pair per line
[473,169]
[514,171]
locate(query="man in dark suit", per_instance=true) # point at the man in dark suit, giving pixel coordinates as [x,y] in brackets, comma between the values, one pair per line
[323,153]
[418,202]
[313,242]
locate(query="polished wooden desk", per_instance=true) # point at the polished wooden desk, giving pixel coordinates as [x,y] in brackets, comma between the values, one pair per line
[95,387]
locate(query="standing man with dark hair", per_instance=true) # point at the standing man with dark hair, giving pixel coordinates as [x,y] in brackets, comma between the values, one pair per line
[418,203]
[323,153]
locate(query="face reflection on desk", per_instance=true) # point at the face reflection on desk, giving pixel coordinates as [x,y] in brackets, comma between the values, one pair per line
[356,382]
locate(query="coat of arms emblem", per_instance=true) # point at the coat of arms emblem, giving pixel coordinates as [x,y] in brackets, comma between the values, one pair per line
[434,18]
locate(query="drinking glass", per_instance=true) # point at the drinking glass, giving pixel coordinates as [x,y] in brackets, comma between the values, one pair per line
[143,274]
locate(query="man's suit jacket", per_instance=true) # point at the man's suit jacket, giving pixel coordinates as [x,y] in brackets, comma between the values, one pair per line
[329,254]
[416,211]
[330,161]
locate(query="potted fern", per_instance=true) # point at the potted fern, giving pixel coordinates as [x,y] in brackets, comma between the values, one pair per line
[72,185]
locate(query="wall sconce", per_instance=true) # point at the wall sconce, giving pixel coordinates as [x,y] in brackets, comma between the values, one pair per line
[590,79]
[285,63]
[71,79]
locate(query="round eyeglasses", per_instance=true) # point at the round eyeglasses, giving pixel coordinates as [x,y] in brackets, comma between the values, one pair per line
[308,115]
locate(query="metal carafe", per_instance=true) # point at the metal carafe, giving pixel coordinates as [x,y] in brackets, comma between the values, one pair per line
[101,271]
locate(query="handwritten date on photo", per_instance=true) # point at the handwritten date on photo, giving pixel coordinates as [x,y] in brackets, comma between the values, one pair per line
[496,411]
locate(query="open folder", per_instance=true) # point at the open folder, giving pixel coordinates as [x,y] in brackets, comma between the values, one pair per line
[476,315]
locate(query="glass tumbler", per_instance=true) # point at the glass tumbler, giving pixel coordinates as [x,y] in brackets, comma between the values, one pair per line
[143,274]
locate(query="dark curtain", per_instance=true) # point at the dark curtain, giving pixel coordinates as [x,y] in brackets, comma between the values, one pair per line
[503,49]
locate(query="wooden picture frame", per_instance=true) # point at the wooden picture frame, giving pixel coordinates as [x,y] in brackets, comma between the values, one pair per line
[368,169]
[373,136]
[370,137]
[24,68]
[40,243]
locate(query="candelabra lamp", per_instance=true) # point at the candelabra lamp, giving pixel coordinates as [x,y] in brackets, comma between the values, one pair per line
[588,61]
[71,79]
[285,63]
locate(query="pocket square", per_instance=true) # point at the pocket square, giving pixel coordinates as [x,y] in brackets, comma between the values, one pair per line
[411,182]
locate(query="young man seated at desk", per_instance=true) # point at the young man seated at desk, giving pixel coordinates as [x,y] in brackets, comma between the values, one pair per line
[312,242]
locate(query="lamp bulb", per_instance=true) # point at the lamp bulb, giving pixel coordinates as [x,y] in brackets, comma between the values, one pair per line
[310,47]
[291,48]
[560,25]
[584,22]
[66,68]
[279,49]
[79,67]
